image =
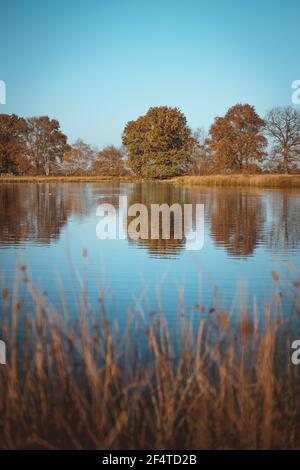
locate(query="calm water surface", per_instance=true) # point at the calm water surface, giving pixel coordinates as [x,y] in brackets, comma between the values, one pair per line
[249,233]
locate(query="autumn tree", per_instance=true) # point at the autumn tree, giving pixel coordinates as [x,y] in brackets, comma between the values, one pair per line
[109,162]
[159,144]
[46,144]
[237,142]
[283,128]
[78,158]
[13,130]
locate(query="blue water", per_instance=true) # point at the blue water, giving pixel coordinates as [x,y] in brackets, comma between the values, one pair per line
[249,233]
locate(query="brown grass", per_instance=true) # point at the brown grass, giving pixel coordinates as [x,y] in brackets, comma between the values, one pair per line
[213,384]
[259,181]
[63,179]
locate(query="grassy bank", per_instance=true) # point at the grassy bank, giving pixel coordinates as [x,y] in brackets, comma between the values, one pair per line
[63,179]
[215,384]
[259,181]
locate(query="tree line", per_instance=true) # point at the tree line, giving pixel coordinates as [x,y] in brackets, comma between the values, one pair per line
[159,144]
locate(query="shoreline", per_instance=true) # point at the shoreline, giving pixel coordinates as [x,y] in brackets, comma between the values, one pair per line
[67,179]
[258,181]
[267,181]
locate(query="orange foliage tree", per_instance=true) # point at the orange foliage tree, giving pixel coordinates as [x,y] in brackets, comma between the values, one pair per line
[159,144]
[109,162]
[13,131]
[237,143]
[46,144]
[78,159]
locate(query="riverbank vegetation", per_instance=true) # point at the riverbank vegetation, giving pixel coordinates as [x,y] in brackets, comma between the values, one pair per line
[210,381]
[158,145]
[66,179]
[258,181]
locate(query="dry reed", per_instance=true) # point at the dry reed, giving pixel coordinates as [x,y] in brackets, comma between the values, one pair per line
[64,179]
[211,382]
[259,181]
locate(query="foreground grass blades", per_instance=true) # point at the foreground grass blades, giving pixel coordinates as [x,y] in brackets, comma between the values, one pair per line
[209,382]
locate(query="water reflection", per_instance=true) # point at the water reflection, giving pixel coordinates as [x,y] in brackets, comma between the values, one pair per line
[158,194]
[238,219]
[283,224]
[31,212]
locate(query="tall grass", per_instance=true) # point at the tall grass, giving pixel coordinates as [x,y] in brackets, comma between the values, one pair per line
[63,179]
[208,383]
[259,181]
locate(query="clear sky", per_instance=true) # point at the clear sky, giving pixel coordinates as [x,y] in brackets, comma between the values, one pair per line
[96,64]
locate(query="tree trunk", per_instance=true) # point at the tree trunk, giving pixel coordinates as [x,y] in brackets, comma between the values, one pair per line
[47,169]
[285,161]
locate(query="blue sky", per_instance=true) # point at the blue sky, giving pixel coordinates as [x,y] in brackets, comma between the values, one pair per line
[96,64]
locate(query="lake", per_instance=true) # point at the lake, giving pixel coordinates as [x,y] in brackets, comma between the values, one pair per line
[248,234]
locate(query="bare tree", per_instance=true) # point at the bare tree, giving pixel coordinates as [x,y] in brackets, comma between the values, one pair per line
[200,153]
[283,126]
